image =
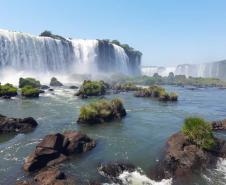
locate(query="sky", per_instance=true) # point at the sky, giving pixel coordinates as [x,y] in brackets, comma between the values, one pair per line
[167,32]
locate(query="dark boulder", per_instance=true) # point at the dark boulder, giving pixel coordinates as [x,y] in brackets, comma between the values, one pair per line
[219,125]
[182,157]
[51,176]
[16,124]
[44,87]
[73,87]
[56,148]
[55,82]
[113,170]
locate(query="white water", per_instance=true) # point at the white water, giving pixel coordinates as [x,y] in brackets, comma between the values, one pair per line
[163,71]
[214,69]
[24,55]
[137,178]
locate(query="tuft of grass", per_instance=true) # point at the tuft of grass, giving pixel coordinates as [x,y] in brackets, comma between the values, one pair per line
[199,132]
[102,110]
[29,91]
[8,90]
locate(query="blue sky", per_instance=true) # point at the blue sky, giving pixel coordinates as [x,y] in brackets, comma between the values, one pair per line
[168,32]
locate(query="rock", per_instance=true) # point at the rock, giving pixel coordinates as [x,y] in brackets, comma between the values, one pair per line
[182,157]
[6,97]
[113,170]
[55,148]
[44,87]
[219,125]
[73,87]
[51,89]
[16,124]
[54,82]
[51,176]
[41,91]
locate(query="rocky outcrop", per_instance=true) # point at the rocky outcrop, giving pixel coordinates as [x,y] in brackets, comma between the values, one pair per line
[182,157]
[219,125]
[54,82]
[51,176]
[16,124]
[56,148]
[113,170]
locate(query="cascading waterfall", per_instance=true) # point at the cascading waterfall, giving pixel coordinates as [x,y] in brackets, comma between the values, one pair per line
[213,69]
[122,60]
[24,55]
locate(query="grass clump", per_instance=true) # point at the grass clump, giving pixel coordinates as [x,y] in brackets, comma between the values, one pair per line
[29,82]
[8,90]
[92,88]
[129,86]
[101,111]
[30,92]
[199,132]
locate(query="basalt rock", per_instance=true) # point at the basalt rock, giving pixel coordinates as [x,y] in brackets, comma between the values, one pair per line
[113,170]
[182,157]
[51,176]
[219,125]
[16,124]
[55,82]
[55,148]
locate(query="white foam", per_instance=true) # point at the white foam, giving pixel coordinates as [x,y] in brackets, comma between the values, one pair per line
[137,178]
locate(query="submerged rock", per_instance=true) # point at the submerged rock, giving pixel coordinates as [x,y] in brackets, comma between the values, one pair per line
[51,176]
[55,82]
[44,87]
[16,124]
[55,148]
[73,87]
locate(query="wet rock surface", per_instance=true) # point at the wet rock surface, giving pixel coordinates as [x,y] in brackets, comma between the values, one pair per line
[14,125]
[55,148]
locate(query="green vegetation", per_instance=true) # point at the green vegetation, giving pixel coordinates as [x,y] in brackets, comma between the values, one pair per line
[8,90]
[101,111]
[51,35]
[92,88]
[29,82]
[199,132]
[156,92]
[30,92]
[129,86]
[179,80]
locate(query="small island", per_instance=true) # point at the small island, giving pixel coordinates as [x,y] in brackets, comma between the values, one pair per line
[157,92]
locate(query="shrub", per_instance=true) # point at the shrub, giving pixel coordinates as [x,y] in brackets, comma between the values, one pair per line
[102,110]
[8,90]
[30,92]
[29,82]
[199,132]
[92,88]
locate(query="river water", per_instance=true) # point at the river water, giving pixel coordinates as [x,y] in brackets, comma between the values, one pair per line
[139,138]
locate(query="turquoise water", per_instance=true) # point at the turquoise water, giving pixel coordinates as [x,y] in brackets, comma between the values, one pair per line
[138,138]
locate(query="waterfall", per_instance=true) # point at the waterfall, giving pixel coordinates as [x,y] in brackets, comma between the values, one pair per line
[23,54]
[122,60]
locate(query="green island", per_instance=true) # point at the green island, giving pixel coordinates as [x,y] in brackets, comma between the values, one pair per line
[101,111]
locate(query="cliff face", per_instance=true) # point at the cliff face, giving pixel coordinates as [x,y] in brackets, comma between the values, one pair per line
[25,52]
[113,58]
